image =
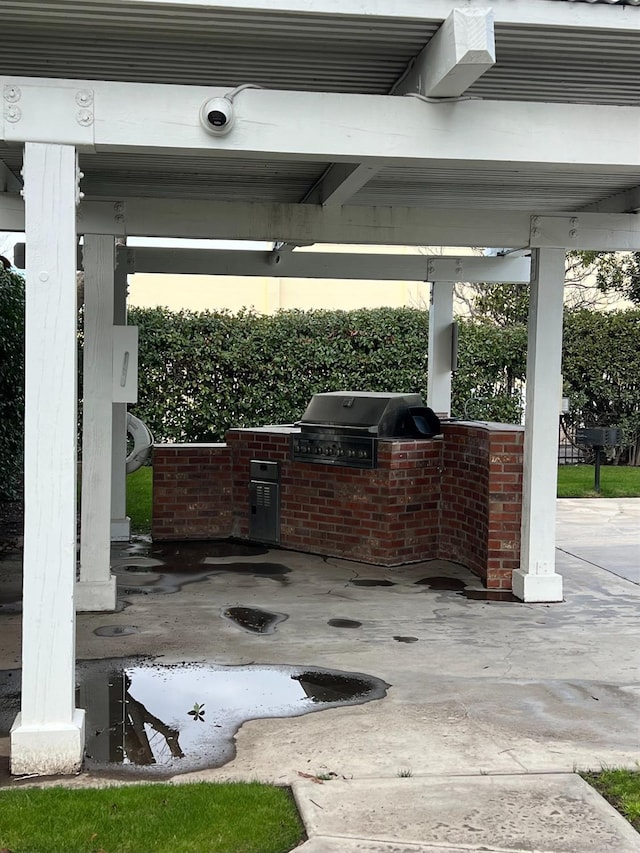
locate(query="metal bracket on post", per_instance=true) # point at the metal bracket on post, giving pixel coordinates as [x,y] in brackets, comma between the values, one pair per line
[60,114]
[554,232]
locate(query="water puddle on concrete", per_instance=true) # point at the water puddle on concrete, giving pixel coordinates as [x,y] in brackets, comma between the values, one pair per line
[442,583]
[344,623]
[151,719]
[489,595]
[116,630]
[370,582]
[159,579]
[406,639]
[253,619]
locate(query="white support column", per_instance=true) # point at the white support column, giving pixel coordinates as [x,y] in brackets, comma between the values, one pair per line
[47,736]
[96,589]
[120,522]
[440,347]
[536,579]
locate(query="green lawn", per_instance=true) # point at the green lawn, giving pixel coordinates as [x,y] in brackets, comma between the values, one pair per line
[621,788]
[162,818]
[577,481]
[139,494]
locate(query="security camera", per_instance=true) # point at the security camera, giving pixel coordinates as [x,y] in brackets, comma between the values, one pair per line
[217,116]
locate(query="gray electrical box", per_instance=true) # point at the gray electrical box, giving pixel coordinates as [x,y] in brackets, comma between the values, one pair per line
[599,436]
[264,501]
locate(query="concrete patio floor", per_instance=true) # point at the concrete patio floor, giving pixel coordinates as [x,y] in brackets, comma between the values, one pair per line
[491,707]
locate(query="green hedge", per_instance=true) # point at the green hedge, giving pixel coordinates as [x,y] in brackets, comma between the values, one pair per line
[11,383]
[601,370]
[202,373]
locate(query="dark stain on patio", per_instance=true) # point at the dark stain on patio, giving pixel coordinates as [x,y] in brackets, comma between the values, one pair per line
[253,619]
[406,639]
[442,583]
[145,719]
[115,630]
[370,582]
[344,623]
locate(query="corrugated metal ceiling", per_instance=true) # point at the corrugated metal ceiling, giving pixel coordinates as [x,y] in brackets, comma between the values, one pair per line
[540,189]
[313,52]
[113,176]
[155,42]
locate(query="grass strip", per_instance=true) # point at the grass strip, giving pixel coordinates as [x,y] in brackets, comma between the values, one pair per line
[140,498]
[621,788]
[577,481]
[163,818]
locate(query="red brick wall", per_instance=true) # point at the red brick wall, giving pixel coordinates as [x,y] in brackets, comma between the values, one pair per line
[482,499]
[191,491]
[464,496]
[456,498]
[505,506]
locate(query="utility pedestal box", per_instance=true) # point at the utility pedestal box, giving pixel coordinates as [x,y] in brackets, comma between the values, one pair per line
[264,501]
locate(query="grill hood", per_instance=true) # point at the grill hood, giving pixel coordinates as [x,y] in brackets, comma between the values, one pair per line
[379,414]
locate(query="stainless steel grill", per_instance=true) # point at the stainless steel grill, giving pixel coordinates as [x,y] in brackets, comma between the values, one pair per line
[343,427]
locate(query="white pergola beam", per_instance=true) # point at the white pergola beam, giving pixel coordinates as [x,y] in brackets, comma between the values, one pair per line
[440,355]
[48,734]
[330,127]
[96,588]
[306,224]
[340,182]
[536,580]
[458,54]
[120,522]
[328,265]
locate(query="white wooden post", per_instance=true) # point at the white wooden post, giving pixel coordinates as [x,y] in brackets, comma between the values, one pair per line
[96,589]
[48,735]
[120,522]
[536,580]
[440,347]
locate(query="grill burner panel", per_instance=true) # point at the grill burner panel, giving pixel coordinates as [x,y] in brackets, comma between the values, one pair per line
[334,449]
[342,427]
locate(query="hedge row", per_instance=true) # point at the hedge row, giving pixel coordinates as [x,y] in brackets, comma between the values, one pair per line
[202,373]
[11,382]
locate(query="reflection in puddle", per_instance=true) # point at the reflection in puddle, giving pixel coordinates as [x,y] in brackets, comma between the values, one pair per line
[443,583]
[344,623]
[370,582]
[163,580]
[490,595]
[253,619]
[169,719]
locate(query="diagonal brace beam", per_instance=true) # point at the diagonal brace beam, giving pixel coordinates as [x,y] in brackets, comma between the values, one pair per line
[340,182]
[8,181]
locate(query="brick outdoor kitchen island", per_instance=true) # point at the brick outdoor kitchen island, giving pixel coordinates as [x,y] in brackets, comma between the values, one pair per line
[456,497]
